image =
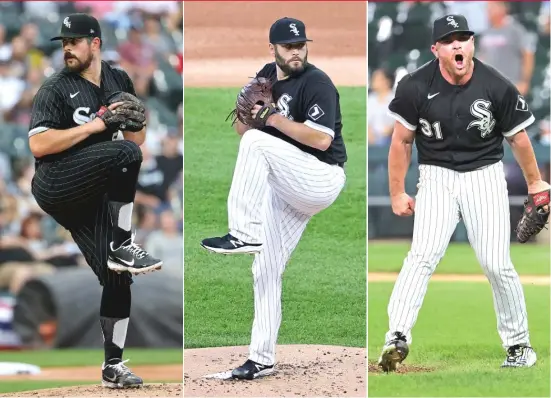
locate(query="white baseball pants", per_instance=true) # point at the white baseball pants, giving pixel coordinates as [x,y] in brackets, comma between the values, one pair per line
[276,189]
[480,197]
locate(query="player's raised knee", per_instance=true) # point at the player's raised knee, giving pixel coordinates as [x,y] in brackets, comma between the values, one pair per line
[131,150]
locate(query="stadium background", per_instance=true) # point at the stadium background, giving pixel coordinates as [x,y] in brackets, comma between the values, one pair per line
[49,298]
[456,350]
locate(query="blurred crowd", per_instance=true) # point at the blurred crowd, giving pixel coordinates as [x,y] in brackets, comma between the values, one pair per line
[145,39]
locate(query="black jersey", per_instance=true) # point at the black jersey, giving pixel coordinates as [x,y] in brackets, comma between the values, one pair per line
[460,127]
[67,100]
[310,98]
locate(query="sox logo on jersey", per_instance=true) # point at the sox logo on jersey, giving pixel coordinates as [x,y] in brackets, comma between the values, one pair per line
[283,106]
[81,116]
[485,122]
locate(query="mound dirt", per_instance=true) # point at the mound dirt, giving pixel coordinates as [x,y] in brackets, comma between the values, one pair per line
[374,369]
[148,390]
[150,374]
[302,370]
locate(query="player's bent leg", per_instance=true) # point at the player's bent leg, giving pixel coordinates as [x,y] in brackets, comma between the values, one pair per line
[83,176]
[82,179]
[436,217]
[485,209]
[299,178]
[124,253]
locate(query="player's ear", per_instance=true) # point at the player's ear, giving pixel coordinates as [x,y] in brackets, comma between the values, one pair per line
[434,50]
[272,49]
[97,42]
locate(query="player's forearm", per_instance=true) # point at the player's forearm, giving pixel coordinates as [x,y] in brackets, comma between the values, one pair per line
[399,159]
[54,141]
[300,132]
[524,154]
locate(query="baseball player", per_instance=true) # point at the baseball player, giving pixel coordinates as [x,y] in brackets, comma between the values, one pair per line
[288,169]
[87,164]
[459,110]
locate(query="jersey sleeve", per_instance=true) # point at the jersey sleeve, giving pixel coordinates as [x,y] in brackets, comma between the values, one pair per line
[513,113]
[403,107]
[46,111]
[320,105]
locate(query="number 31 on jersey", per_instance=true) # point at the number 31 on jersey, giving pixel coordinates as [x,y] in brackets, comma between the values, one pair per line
[431,131]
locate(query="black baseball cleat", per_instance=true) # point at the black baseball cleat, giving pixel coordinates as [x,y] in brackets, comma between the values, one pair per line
[132,258]
[230,245]
[394,352]
[251,370]
[115,374]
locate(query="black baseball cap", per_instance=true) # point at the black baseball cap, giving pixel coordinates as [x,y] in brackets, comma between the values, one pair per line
[79,25]
[450,24]
[288,30]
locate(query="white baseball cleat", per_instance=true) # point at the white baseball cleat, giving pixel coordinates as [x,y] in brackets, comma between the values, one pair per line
[520,356]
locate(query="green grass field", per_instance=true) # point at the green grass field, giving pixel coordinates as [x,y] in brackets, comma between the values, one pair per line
[459,258]
[70,358]
[456,334]
[324,283]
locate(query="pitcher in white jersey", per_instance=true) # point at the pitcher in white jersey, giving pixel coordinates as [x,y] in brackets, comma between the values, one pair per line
[459,110]
[286,172]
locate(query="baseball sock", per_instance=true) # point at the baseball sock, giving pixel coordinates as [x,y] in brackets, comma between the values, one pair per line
[121,193]
[114,316]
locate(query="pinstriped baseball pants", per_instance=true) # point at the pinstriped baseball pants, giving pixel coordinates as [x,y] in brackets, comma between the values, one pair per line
[276,189]
[480,197]
[73,191]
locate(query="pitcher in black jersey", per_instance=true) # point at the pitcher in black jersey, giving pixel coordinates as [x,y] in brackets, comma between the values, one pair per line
[459,111]
[285,173]
[86,178]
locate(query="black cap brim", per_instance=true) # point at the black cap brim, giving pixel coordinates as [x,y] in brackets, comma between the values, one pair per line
[291,41]
[69,36]
[470,32]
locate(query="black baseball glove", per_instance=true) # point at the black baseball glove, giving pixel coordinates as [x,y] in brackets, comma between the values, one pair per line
[129,116]
[534,217]
[257,92]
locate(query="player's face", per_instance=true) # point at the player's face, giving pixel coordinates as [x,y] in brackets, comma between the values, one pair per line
[456,52]
[291,58]
[78,54]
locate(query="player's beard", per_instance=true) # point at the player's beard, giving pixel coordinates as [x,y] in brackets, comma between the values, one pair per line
[80,65]
[289,70]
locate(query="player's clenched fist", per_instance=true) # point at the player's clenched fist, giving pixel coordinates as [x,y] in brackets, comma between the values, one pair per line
[402,204]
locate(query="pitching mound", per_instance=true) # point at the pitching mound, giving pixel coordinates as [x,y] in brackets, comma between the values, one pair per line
[375,369]
[302,370]
[148,390]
